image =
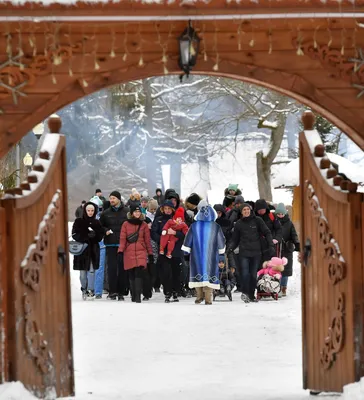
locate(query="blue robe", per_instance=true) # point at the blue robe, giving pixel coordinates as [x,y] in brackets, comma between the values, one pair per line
[205,241]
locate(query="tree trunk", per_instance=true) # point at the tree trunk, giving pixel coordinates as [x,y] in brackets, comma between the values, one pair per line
[150,161]
[264,162]
[176,173]
[263,174]
[204,186]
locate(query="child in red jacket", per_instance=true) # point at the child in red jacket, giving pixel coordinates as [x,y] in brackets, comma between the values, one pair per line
[177,224]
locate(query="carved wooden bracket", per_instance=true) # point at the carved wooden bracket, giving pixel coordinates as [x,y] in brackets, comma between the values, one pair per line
[334,341]
[36,346]
[37,251]
[336,266]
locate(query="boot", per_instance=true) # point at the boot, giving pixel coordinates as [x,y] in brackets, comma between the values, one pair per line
[199,298]
[132,290]
[138,289]
[284,291]
[208,293]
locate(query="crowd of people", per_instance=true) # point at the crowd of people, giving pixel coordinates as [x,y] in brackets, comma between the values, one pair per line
[186,248]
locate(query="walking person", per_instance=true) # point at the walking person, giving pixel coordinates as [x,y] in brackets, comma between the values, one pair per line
[87,229]
[290,244]
[79,209]
[170,268]
[112,220]
[248,232]
[154,268]
[204,241]
[136,248]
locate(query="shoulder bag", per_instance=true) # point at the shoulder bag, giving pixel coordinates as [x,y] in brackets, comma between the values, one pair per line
[134,236]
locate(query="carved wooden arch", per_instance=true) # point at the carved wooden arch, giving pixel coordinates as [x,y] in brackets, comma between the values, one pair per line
[288,84]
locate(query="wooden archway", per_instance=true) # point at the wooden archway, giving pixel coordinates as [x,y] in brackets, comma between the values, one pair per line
[51,56]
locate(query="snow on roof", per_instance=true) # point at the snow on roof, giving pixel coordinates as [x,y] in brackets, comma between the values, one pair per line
[288,174]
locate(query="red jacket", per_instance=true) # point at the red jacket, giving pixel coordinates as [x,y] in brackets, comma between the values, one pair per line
[135,254]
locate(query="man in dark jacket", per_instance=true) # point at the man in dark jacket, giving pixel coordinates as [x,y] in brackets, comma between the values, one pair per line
[170,267]
[234,214]
[262,211]
[80,209]
[159,196]
[112,220]
[247,234]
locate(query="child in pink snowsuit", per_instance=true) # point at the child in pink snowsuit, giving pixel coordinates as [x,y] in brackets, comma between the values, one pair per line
[177,224]
[273,267]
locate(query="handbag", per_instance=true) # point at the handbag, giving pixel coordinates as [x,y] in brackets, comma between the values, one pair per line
[77,248]
[134,236]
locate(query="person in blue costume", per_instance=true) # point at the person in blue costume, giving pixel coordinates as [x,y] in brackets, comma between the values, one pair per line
[204,241]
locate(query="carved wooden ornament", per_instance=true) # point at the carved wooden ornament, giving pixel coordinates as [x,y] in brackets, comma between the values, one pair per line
[37,251]
[335,339]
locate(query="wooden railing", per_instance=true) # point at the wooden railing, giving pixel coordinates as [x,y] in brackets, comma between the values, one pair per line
[38,334]
[332,271]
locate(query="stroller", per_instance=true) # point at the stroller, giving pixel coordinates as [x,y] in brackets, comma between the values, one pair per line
[226,278]
[269,277]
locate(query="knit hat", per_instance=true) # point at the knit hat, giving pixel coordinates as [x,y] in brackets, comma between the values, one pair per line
[222,258]
[281,209]
[239,200]
[144,199]
[116,194]
[202,203]
[193,198]
[134,207]
[134,190]
[180,213]
[152,204]
[261,204]
[246,205]
[233,186]
[169,204]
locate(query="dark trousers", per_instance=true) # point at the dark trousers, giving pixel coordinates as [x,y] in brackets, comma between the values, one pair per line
[147,281]
[116,273]
[154,275]
[249,269]
[171,273]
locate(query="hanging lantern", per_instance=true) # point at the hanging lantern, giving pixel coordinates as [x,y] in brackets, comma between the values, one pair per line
[189,44]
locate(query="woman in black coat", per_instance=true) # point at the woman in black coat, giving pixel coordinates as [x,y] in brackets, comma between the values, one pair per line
[88,230]
[290,243]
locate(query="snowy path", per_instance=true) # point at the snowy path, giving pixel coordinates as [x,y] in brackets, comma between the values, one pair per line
[182,351]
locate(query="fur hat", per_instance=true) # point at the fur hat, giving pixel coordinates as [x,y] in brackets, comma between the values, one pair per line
[281,209]
[180,213]
[116,194]
[277,264]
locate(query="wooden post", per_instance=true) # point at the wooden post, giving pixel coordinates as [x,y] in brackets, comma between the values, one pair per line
[3,300]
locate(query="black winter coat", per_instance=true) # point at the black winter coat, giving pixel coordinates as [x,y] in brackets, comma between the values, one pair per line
[156,233]
[113,219]
[81,233]
[79,212]
[160,199]
[248,233]
[273,224]
[290,238]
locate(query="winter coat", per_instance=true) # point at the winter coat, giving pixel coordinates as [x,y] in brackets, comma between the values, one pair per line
[224,223]
[134,200]
[204,241]
[234,215]
[79,212]
[273,224]
[81,233]
[271,272]
[160,199]
[113,219]
[135,254]
[156,232]
[248,235]
[289,237]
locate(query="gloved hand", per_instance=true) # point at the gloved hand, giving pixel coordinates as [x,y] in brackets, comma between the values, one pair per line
[150,259]
[91,234]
